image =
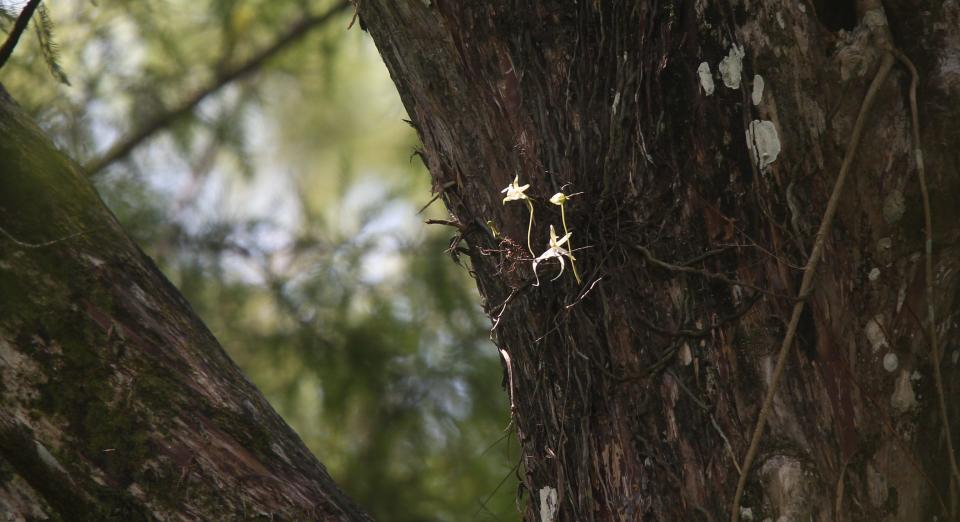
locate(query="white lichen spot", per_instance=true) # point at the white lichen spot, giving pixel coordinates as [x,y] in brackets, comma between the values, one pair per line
[136,492]
[685,354]
[95,261]
[706,78]
[732,66]
[915,376]
[893,207]
[891,362]
[47,458]
[877,488]
[903,398]
[548,504]
[803,8]
[746,513]
[901,295]
[142,296]
[874,332]
[736,292]
[780,21]
[763,142]
[757,94]
[278,450]
[616,103]
[785,483]
[874,274]
[874,19]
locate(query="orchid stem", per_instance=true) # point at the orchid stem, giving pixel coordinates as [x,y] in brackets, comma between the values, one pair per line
[573,262]
[530,227]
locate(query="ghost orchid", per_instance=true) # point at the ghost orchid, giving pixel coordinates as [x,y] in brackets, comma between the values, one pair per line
[515,191]
[555,250]
[560,199]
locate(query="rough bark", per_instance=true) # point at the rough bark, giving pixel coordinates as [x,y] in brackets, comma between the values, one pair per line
[635,393]
[116,403]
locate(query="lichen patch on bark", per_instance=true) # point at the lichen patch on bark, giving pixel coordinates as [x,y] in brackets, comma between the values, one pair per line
[731,67]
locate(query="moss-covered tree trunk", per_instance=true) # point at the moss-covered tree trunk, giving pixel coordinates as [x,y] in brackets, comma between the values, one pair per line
[705,135]
[116,403]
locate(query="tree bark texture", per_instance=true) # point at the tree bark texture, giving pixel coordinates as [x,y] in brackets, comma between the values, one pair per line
[705,137]
[116,403]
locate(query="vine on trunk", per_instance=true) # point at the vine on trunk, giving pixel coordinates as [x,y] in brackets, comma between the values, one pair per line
[877,22]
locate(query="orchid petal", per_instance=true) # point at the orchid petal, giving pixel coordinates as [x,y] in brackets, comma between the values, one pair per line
[514,191]
[560,258]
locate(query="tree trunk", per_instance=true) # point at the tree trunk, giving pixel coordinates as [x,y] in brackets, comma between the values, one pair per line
[117,403]
[635,393]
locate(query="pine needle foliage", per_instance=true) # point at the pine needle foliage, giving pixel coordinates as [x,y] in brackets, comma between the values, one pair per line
[48,46]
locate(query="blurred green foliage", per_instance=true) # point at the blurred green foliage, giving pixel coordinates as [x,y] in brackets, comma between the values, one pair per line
[284,207]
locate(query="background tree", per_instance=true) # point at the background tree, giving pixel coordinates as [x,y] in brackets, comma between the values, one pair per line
[709,142]
[118,404]
[255,150]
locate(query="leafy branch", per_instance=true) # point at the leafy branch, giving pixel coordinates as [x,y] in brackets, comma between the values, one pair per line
[18,28]
[124,146]
[48,47]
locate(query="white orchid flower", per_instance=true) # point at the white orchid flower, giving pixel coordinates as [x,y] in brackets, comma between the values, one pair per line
[559,199]
[555,250]
[515,191]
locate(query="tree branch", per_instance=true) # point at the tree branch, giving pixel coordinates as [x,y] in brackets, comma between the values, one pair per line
[124,146]
[108,369]
[18,27]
